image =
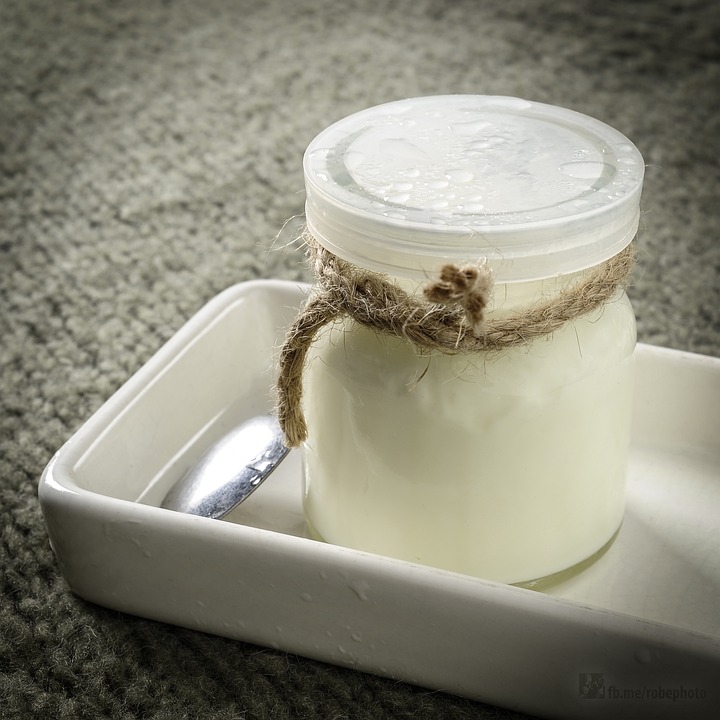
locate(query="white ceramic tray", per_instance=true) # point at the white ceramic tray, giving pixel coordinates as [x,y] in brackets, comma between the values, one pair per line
[643,623]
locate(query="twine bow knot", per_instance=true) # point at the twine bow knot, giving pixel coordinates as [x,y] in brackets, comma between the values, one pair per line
[468,286]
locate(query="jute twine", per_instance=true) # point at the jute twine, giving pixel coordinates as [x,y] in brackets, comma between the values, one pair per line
[449,319]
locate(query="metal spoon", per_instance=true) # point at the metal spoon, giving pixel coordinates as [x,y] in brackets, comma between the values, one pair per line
[229,470]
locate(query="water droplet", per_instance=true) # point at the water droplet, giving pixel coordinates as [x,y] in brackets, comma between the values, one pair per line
[306,597]
[356,636]
[402,186]
[473,207]
[590,170]
[398,108]
[342,650]
[458,175]
[402,149]
[412,173]
[470,128]
[509,102]
[627,161]
[398,198]
[353,159]
[322,574]
[360,588]
[438,184]
[437,204]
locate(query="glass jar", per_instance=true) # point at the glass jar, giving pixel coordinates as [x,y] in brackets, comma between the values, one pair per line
[507,465]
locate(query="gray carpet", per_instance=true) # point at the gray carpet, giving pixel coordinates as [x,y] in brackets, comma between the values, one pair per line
[149,153]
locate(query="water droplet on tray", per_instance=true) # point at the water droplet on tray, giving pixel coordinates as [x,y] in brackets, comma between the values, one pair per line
[643,656]
[360,588]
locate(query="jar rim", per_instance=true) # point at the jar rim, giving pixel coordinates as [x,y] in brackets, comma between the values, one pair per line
[537,190]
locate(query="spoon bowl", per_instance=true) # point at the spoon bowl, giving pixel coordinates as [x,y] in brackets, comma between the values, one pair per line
[229,470]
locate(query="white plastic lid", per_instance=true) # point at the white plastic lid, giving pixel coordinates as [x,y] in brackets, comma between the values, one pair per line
[538,190]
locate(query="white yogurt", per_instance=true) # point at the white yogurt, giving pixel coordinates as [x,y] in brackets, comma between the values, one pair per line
[510,465]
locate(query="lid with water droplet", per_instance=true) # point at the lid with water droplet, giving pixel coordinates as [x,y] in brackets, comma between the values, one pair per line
[538,190]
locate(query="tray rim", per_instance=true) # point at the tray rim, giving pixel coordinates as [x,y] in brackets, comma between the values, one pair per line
[56,484]
[61,498]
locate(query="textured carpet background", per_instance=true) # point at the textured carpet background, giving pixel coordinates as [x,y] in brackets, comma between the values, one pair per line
[149,153]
